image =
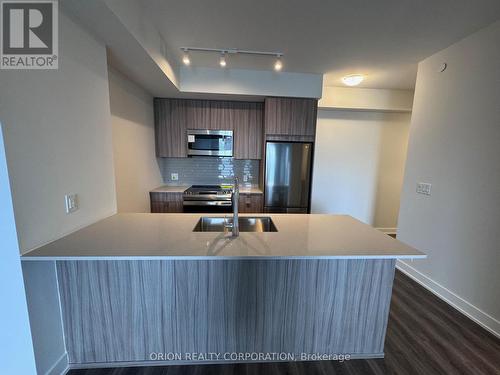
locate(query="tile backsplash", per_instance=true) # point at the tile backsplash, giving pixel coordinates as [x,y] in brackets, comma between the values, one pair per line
[209,170]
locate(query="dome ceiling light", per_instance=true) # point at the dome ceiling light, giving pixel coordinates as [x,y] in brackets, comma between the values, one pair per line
[353,79]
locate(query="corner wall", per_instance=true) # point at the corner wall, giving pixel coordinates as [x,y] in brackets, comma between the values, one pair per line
[16,356]
[454,145]
[42,294]
[136,168]
[58,139]
[359,164]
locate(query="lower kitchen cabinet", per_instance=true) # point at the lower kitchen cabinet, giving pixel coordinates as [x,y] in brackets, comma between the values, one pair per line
[166,202]
[251,203]
[172,202]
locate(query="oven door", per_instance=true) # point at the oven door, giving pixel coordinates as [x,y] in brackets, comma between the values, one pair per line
[209,142]
[192,206]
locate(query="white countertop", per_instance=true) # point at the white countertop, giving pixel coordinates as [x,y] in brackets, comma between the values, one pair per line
[181,188]
[250,190]
[171,189]
[171,236]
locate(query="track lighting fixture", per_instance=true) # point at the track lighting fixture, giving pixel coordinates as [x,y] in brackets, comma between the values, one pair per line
[278,64]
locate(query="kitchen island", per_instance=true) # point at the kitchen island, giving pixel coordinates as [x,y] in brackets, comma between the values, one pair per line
[141,287]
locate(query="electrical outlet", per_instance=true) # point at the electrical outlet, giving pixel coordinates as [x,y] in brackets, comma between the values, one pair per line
[424,188]
[174,176]
[71,201]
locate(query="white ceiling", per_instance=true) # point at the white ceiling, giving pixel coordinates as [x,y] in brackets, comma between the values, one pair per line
[383,39]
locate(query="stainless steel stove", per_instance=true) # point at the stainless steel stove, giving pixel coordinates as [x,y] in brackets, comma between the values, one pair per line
[208,198]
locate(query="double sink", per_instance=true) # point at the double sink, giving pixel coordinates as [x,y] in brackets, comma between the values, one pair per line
[247,224]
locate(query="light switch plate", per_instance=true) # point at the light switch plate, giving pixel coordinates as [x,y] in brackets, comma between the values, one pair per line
[174,176]
[71,201]
[424,188]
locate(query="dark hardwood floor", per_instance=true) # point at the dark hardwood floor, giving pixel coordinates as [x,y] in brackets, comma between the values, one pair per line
[424,336]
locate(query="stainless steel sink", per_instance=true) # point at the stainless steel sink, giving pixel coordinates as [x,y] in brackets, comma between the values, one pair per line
[247,224]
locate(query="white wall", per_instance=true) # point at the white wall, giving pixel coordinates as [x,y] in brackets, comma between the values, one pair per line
[16,354]
[58,139]
[131,14]
[136,169]
[42,294]
[359,163]
[249,82]
[454,144]
[366,99]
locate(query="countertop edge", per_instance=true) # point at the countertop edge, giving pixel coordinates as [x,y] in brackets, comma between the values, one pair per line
[172,189]
[216,257]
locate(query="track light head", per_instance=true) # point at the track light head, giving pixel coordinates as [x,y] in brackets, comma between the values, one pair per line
[278,65]
[222,60]
[185,57]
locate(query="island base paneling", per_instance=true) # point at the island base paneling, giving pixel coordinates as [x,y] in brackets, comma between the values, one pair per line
[128,310]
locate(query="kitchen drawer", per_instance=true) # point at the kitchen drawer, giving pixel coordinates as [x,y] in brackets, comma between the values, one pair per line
[251,203]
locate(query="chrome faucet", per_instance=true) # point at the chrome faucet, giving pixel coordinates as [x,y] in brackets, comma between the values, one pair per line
[235,225]
[235,199]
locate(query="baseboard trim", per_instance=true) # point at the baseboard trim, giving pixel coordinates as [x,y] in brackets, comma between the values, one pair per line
[472,312]
[76,366]
[60,367]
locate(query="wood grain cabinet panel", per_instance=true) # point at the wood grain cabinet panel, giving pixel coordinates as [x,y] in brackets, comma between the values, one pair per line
[124,310]
[245,119]
[170,127]
[251,203]
[166,202]
[222,114]
[197,114]
[248,131]
[290,116]
[173,117]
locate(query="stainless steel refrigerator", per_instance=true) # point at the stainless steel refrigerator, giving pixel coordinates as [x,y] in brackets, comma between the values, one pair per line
[287,177]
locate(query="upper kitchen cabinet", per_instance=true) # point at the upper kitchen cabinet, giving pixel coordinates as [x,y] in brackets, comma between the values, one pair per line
[248,130]
[198,114]
[245,119]
[170,127]
[290,116]
[173,117]
[222,114]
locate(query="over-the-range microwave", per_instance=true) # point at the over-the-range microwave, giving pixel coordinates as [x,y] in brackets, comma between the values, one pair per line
[201,142]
